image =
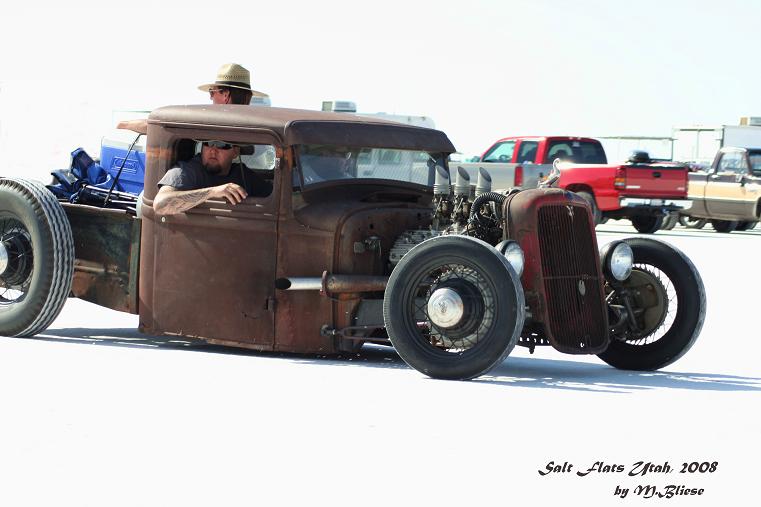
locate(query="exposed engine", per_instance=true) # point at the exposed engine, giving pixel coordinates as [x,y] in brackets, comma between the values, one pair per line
[470,210]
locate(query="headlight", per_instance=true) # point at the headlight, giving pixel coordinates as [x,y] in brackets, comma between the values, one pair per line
[617,260]
[513,253]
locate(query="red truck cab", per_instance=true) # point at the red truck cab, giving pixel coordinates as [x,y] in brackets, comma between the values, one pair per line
[641,190]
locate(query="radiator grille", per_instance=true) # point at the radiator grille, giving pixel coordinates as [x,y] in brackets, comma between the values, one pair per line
[572,279]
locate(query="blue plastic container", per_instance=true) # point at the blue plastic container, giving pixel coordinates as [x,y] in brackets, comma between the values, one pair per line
[113,154]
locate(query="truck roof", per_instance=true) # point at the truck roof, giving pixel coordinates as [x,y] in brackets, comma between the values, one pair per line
[301,126]
[549,138]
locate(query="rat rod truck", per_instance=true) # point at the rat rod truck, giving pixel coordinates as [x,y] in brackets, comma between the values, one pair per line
[331,259]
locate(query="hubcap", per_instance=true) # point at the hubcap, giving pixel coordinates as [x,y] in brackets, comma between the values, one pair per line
[445,308]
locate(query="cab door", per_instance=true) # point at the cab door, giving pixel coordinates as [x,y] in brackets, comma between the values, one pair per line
[214,271]
[726,189]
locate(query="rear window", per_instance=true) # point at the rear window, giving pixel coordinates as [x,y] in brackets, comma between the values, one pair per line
[580,152]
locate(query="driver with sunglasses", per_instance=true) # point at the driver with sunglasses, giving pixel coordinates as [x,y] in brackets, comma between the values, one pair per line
[209,175]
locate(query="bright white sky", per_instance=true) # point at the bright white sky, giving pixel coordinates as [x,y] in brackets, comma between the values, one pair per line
[481,69]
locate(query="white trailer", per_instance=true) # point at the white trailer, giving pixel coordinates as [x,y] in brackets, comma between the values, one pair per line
[700,143]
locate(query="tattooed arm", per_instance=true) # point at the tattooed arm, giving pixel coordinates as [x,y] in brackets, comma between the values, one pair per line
[170,201]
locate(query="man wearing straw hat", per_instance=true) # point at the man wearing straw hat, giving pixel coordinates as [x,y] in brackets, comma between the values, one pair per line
[232,86]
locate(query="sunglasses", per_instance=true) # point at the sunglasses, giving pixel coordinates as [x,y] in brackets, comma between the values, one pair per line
[220,145]
[212,91]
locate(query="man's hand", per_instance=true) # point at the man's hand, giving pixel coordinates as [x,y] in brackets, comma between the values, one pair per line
[233,192]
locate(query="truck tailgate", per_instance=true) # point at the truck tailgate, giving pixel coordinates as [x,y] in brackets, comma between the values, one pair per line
[655,181]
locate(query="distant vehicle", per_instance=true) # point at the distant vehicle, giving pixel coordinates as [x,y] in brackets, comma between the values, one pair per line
[641,189]
[728,194]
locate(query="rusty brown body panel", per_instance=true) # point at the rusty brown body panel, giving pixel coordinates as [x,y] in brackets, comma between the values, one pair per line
[351,237]
[107,249]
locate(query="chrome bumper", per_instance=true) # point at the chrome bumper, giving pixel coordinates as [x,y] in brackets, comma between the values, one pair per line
[630,202]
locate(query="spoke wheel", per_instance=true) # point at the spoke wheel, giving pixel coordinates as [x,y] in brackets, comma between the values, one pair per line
[453,307]
[36,257]
[16,260]
[668,300]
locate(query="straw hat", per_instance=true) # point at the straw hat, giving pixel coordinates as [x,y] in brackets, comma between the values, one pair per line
[233,75]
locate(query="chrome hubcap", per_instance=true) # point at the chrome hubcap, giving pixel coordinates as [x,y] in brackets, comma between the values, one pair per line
[445,308]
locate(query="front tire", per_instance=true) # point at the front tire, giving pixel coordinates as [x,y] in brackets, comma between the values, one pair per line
[724,226]
[454,307]
[647,224]
[36,257]
[669,302]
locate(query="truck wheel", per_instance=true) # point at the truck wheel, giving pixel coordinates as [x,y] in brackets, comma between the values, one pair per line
[669,222]
[725,226]
[647,224]
[36,257]
[669,303]
[453,307]
[596,213]
[692,222]
[745,226]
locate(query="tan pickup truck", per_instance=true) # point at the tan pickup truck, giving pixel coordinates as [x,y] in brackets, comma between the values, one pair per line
[728,194]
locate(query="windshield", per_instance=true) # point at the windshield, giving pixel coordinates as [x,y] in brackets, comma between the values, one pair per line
[323,163]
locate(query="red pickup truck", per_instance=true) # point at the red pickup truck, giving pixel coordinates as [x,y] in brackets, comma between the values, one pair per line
[642,190]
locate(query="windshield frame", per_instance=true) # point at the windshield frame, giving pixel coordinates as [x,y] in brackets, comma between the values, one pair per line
[305,176]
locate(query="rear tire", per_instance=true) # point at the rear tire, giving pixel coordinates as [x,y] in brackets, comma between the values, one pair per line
[725,226]
[746,226]
[454,307]
[692,222]
[36,257]
[647,224]
[670,221]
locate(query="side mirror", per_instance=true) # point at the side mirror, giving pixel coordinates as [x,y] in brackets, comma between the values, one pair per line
[741,179]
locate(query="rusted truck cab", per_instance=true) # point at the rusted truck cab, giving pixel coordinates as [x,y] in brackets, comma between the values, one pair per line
[211,271]
[359,234]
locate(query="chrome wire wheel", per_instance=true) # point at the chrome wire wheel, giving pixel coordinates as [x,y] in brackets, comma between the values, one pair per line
[16,260]
[36,257]
[453,307]
[458,305]
[668,305]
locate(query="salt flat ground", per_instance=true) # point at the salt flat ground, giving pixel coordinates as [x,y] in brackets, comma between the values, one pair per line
[95,414]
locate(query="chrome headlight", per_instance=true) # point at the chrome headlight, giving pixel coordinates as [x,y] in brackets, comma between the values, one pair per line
[617,260]
[513,253]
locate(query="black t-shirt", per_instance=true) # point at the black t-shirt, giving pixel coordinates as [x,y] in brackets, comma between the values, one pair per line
[191,175]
